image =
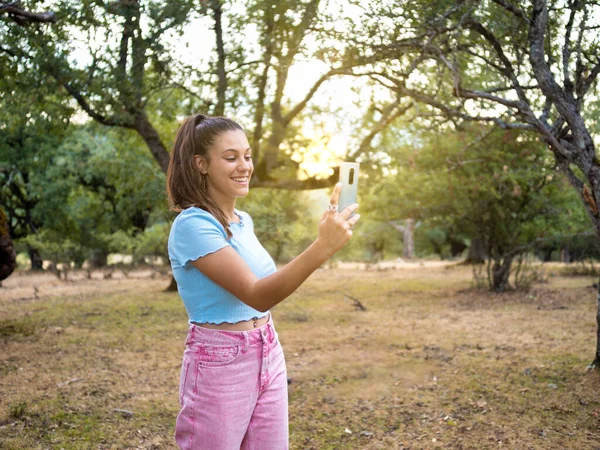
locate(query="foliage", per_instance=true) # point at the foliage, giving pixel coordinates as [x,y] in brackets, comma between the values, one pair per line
[520,65]
[373,241]
[498,186]
[95,184]
[144,247]
[32,125]
[284,221]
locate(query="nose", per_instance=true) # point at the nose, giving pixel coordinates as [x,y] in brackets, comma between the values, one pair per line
[245,165]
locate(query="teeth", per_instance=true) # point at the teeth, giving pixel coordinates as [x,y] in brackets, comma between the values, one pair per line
[240,179]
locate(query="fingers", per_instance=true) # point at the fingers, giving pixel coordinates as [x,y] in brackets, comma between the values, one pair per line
[352,221]
[323,216]
[335,196]
[345,214]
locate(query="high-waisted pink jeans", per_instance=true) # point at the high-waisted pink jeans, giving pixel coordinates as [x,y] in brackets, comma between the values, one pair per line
[233,391]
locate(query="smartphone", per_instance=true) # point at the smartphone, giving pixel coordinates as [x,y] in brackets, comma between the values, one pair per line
[349,180]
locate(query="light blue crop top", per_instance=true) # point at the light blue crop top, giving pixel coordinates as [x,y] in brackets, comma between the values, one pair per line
[196,233]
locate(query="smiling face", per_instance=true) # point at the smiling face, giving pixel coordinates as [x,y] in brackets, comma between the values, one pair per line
[230,166]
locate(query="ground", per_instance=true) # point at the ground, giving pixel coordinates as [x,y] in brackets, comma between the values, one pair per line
[431,364]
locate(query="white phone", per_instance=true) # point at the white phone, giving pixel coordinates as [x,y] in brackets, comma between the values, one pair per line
[349,179]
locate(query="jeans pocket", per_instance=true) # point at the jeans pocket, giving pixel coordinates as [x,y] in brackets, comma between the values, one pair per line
[217,356]
[182,379]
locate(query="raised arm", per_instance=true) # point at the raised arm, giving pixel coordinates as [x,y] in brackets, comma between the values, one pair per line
[227,268]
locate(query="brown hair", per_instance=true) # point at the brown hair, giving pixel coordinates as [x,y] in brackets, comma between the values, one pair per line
[186,185]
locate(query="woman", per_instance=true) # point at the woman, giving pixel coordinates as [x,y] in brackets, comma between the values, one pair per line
[233,385]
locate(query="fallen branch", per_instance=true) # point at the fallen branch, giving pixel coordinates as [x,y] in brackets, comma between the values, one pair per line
[124,412]
[73,380]
[357,302]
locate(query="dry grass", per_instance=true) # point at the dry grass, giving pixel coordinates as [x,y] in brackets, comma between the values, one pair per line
[430,364]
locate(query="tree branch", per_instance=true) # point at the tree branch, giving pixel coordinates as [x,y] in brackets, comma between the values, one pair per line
[566,51]
[221,73]
[508,88]
[517,12]
[589,80]
[300,106]
[259,112]
[23,17]
[126,37]
[391,113]
[300,185]
[546,81]
[508,70]
[82,102]
[579,67]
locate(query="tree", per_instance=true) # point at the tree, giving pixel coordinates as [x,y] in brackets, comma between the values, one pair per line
[131,64]
[95,184]
[8,257]
[521,65]
[128,61]
[136,61]
[7,253]
[407,229]
[283,220]
[33,122]
[487,184]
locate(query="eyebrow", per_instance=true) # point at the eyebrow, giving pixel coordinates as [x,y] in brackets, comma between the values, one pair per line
[235,150]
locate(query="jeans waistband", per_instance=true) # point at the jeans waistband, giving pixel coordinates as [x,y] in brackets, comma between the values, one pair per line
[210,336]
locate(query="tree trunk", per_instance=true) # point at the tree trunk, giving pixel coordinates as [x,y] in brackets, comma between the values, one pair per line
[500,274]
[35,258]
[596,363]
[99,258]
[152,140]
[565,255]
[408,237]
[269,159]
[172,285]
[8,257]
[456,247]
[221,73]
[476,252]
[546,254]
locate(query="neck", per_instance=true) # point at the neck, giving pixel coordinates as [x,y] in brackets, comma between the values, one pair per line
[227,205]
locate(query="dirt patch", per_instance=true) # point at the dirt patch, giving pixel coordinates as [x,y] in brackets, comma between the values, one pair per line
[430,364]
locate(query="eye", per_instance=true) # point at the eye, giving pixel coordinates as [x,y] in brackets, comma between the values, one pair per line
[248,157]
[231,158]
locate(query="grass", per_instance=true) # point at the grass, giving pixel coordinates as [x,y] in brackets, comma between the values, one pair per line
[430,364]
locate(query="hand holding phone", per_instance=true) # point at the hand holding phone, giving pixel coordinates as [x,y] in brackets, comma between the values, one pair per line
[349,180]
[335,227]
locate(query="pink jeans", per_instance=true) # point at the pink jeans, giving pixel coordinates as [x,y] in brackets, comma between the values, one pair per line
[233,391]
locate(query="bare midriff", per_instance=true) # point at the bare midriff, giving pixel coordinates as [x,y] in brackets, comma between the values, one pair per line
[245,325]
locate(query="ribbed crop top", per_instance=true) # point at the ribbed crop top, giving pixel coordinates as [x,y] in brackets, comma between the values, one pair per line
[196,233]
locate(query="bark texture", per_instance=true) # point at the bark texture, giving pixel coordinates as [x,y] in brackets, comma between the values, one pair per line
[8,257]
[407,229]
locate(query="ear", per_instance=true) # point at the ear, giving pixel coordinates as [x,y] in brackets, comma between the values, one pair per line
[200,163]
